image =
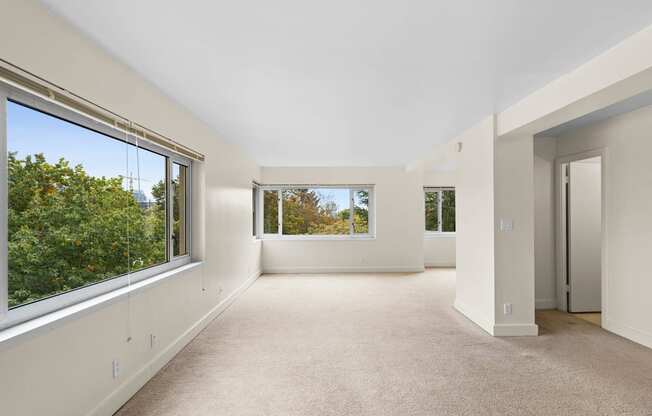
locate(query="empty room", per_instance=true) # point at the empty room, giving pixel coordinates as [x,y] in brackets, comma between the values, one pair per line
[347,208]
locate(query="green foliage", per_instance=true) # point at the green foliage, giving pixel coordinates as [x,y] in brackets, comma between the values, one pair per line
[448,211]
[306,212]
[432,211]
[361,212]
[270,217]
[68,229]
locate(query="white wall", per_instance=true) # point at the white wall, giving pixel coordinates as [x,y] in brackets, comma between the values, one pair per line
[439,250]
[474,295]
[514,248]
[628,178]
[398,245]
[66,370]
[495,266]
[545,151]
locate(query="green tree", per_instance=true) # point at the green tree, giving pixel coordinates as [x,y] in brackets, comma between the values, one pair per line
[432,211]
[448,210]
[68,229]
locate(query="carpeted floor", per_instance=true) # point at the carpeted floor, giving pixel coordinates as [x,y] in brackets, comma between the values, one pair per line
[382,345]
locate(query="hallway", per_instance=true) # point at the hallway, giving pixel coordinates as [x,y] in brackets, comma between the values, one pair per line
[391,344]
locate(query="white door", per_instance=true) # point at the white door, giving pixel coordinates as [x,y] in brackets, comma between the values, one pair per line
[585,235]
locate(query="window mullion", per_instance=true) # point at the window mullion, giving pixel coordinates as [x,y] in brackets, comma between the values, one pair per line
[279,193]
[439,210]
[351,211]
[169,223]
[4,208]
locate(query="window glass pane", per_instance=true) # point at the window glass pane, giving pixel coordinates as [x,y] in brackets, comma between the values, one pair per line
[75,215]
[361,211]
[318,211]
[432,210]
[448,210]
[271,212]
[179,225]
[146,209]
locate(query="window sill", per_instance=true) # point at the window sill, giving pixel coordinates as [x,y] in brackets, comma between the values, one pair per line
[46,322]
[320,238]
[433,235]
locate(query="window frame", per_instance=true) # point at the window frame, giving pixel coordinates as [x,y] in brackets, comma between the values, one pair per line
[255,206]
[438,190]
[371,234]
[53,303]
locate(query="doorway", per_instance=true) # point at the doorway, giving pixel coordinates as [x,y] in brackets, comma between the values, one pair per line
[581,236]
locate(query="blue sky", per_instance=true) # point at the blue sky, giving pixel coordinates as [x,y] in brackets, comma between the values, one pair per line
[340,196]
[30,132]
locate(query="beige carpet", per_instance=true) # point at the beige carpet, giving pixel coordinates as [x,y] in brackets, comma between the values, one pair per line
[382,345]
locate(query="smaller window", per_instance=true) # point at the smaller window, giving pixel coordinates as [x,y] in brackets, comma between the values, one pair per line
[439,210]
[179,207]
[317,211]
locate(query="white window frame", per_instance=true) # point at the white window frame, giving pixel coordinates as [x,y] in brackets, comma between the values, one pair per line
[350,236]
[23,313]
[256,202]
[438,190]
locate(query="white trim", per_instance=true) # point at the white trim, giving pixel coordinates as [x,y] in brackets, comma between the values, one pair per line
[431,235]
[129,387]
[516,330]
[475,317]
[47,322]
[341,269]
[541,304]
[317,237]
[636,335]
[4,203]
[440,264]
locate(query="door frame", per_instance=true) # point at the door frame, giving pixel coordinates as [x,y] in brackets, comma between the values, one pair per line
[560,228]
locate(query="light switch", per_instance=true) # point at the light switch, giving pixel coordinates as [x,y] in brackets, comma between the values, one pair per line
[506,224]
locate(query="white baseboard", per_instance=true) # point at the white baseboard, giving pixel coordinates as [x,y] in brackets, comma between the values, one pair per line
[626,331]
[341,269]
[545,303]
[129,387]
[475,317]
[516,330]
[445,264]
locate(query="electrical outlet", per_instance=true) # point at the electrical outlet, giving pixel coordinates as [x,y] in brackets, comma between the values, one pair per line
[507,308]
[116,368]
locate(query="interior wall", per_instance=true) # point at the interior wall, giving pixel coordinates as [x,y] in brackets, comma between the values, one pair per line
[628,231]
[474,292]
[42,373]
[514,236]
[439,250]
[398,244]
[545,151]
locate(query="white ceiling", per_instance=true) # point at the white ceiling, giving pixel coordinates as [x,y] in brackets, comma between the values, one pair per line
[351,82]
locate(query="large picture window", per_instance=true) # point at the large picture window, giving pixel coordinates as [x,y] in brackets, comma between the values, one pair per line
[316,211]
[86,205]
[440,210]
